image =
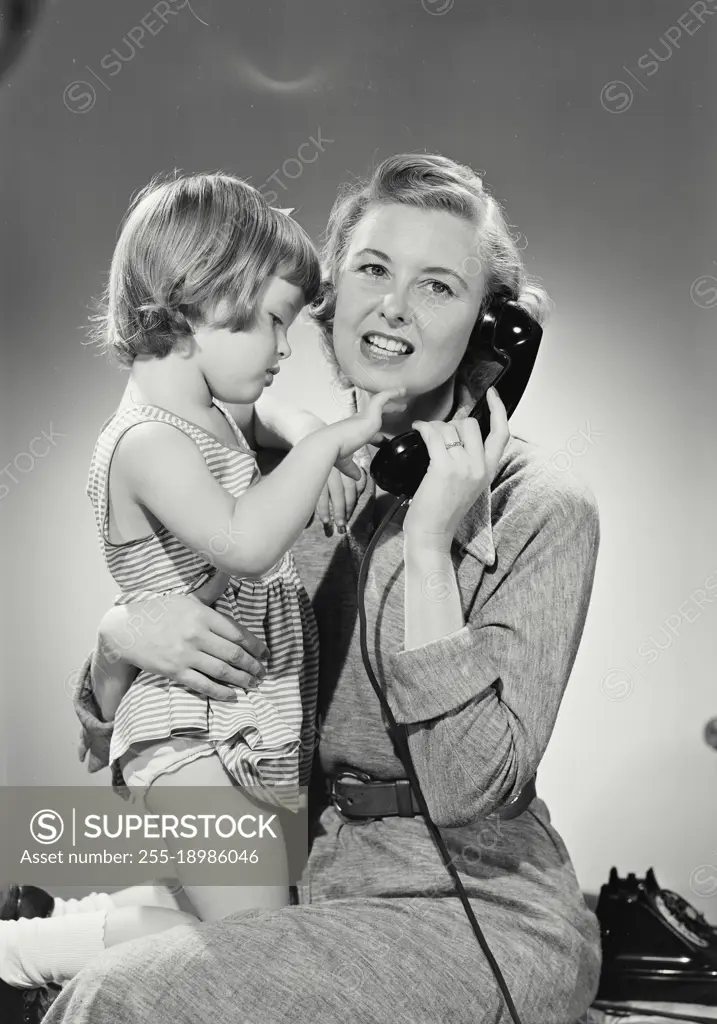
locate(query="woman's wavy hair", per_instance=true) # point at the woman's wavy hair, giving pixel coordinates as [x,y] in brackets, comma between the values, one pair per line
[430,182]
[25,1005]
[185,245]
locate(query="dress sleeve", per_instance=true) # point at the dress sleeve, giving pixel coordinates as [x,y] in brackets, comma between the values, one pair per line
[95,734]
[480,704]
[40,951]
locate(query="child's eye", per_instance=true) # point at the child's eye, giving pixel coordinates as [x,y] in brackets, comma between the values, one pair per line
[276,320]
[440,288]
[373,269]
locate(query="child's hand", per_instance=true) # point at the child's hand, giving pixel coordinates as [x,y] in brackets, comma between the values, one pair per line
[363,427]
[338,499]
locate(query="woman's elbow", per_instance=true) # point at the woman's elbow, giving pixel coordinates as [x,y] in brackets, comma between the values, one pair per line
[478,797]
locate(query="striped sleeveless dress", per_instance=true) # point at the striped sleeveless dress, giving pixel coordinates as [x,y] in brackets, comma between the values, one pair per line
[265,738]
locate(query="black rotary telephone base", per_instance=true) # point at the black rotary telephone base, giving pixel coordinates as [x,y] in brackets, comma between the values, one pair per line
[656,946]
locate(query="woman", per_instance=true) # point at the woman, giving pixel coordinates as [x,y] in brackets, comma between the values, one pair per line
[475,668]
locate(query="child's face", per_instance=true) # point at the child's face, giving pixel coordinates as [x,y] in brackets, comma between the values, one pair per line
[238,366]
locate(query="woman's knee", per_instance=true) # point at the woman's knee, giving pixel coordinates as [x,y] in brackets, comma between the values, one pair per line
[97,995]
[127,984]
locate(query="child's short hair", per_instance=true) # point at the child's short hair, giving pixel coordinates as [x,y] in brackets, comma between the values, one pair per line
[185,245]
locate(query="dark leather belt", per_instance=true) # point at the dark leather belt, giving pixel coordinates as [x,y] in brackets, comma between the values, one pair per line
[358,797]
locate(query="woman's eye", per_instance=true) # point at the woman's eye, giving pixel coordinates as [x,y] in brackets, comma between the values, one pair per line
[373,269]
[440,288]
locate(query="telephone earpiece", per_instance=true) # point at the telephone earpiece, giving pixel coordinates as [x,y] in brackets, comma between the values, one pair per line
[505,341]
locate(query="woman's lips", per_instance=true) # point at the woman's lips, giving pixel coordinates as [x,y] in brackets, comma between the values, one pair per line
[381,357]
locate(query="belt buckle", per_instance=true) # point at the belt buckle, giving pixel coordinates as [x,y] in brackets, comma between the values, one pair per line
[359,776]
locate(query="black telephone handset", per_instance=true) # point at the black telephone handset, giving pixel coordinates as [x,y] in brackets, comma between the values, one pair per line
[505,340]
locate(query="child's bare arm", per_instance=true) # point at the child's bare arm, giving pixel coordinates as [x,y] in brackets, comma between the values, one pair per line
[166,474]
[280,425]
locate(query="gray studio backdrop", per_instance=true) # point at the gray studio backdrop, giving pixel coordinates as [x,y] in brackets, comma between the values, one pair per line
[594,123]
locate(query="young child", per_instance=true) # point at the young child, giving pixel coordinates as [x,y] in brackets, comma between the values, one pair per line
[205,281]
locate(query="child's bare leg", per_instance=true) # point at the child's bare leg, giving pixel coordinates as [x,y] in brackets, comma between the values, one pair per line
[145,896]
[213,902]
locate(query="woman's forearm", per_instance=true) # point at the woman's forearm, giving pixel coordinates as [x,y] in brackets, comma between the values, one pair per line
[432,598]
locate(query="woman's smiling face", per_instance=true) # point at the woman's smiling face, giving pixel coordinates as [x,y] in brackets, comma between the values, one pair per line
[407,298]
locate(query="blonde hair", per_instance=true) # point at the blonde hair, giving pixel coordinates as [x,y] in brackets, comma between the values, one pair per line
[185,245]
[429,182]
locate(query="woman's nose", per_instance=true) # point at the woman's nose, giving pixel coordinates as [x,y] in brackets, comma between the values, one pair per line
[396,308]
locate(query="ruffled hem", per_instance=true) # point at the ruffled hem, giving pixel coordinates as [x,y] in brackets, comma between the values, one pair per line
[270,775]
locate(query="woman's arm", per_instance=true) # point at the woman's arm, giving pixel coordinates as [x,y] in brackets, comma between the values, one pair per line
[112,672]
[175,636]
[432,597]
[481,701]
[111,678]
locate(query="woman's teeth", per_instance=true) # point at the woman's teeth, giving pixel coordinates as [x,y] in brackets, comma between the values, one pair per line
[377,341]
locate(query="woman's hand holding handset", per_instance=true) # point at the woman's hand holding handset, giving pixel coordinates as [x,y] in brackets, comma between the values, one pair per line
[456,476]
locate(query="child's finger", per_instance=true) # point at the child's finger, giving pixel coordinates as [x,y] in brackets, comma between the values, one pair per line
[322,506]
[378,402]
[338,499]
[350,496]
[349,468]
[361,485]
